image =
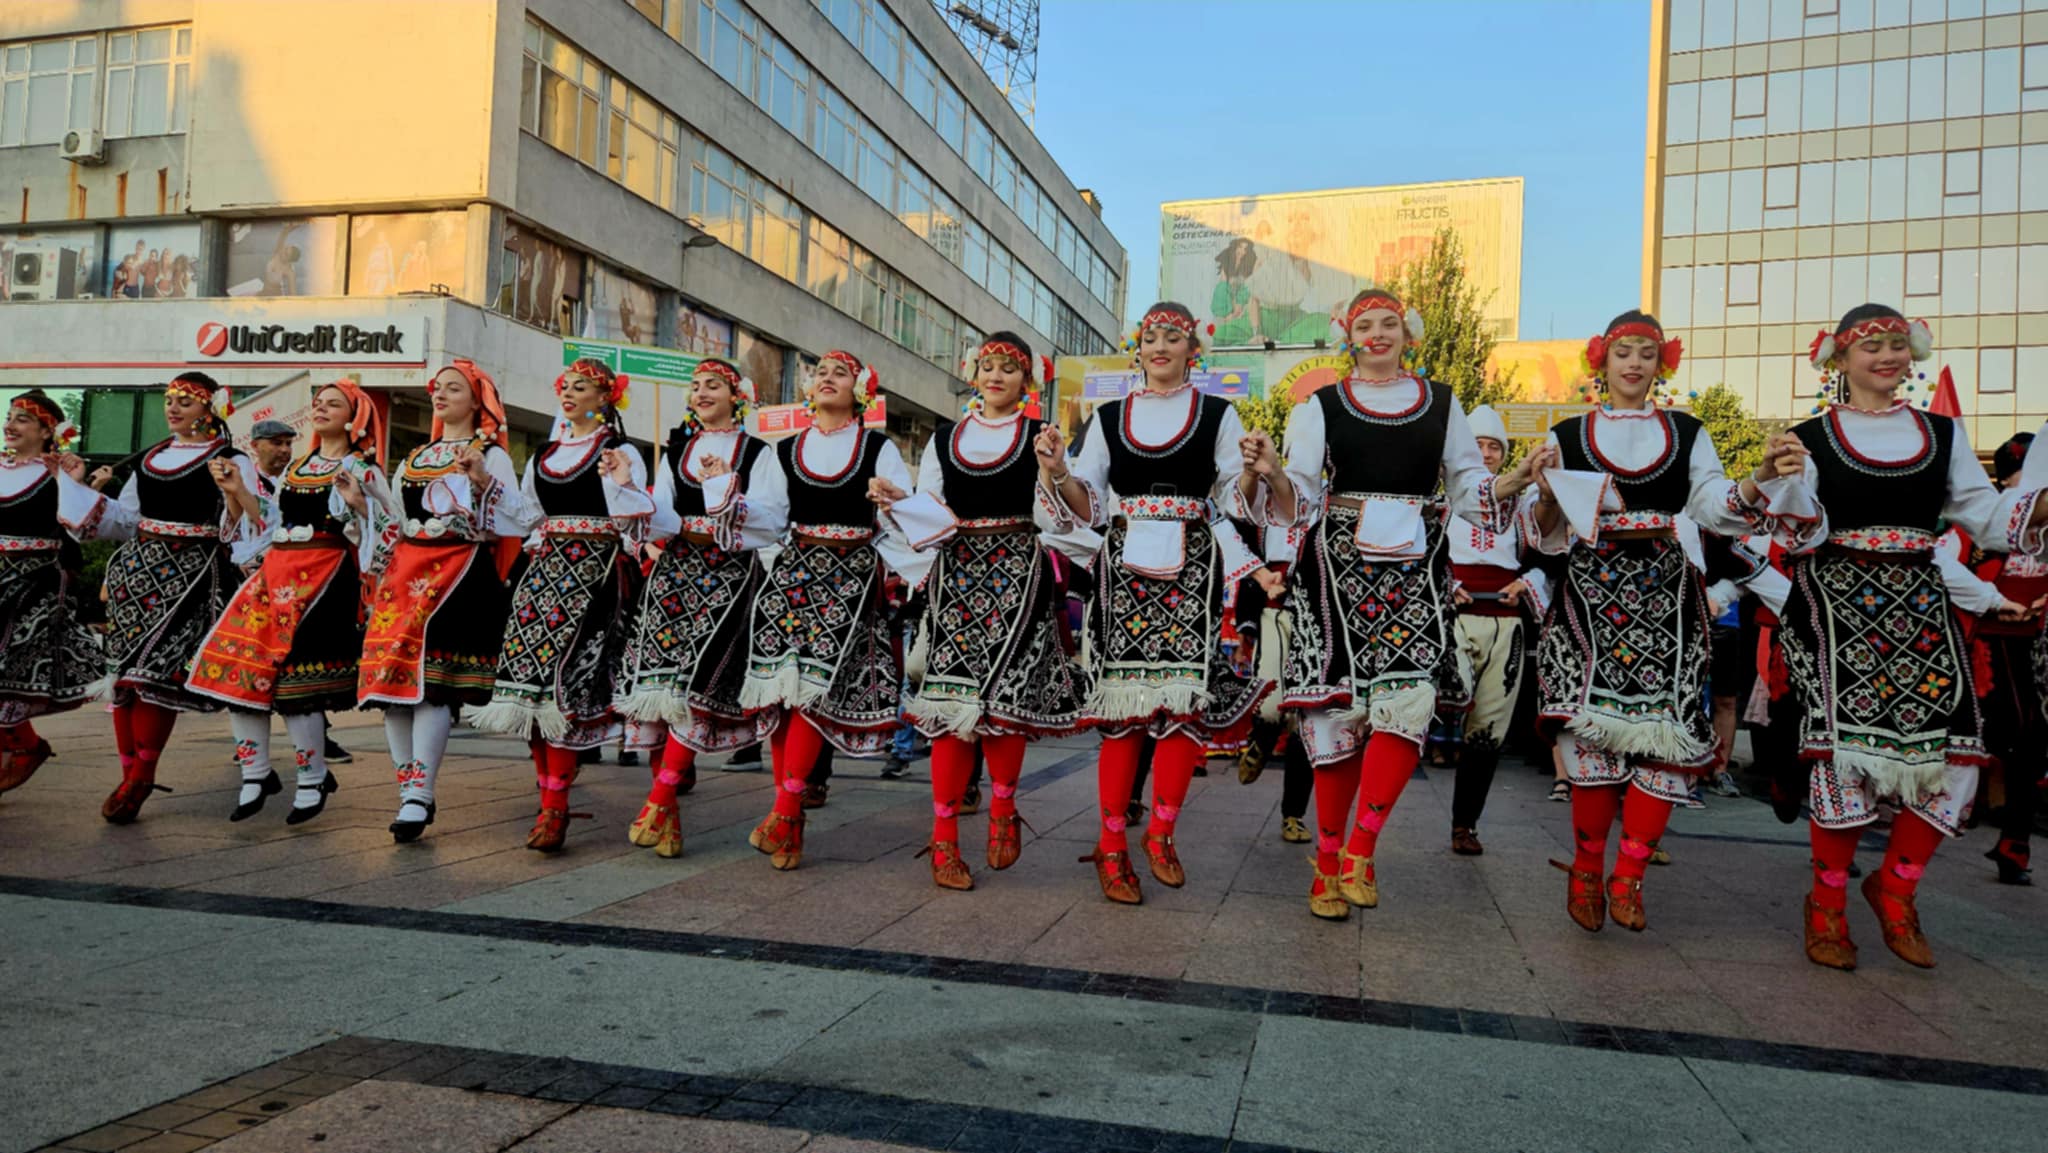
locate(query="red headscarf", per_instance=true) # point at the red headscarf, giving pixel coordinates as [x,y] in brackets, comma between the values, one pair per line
[490,411]
[365,426]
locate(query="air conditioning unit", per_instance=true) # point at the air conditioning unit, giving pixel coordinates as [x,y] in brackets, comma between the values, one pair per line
[87,147]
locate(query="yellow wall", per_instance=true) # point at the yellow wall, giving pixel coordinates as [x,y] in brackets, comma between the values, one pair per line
[323,101]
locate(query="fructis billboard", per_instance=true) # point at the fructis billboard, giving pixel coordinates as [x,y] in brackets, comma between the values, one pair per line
[1280,266]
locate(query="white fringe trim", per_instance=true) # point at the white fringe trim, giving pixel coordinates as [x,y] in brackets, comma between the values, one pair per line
[655,705]
[1117,704]
[1662,741]
[950,718]
[1910,781]
[515,719]
[785,687]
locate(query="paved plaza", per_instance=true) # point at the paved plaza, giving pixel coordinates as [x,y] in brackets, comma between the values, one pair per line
[186,982]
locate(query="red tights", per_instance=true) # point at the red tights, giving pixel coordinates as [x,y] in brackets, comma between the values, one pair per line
[953,767]
[554,771]
[141,731]
[1643,820]
[670,766]
[795,747]
[1174,761]
[1375,775]
[18,738]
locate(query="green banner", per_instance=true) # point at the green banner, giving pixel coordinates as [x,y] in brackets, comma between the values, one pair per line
[658,364]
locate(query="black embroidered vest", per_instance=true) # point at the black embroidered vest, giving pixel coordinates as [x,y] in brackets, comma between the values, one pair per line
[1182,465]
[689,491]
[571,489]
[303,500]
[32,512]
[1000,488]
[1858,492]
[1664,485]
[183,495]
[839,499]
[1398,454]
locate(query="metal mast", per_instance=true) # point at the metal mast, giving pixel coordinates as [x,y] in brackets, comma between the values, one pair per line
[1003,35]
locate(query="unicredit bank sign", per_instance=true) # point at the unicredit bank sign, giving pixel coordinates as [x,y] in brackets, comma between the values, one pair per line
[403,341]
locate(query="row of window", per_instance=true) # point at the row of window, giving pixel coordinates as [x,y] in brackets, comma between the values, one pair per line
[569,100]
[1918,186]
[1997,281]
[742,48]
[1698,24]
[1995,82]
[134,82]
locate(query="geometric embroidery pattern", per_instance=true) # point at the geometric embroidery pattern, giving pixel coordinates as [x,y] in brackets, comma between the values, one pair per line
[991,637]
[819,611]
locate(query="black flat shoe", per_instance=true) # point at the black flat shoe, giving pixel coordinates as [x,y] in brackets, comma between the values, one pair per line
[299,816]
[2010,871]
[406,832]
[271,787]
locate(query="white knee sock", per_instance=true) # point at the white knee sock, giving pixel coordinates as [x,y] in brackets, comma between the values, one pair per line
[309,744]
[398,733]
[252,751]
[429,740]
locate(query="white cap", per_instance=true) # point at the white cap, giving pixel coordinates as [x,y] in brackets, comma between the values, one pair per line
[1486,424]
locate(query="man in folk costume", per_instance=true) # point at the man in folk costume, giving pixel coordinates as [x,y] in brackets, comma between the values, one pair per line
[1375,647]
[1153,468]
[291,638]
[1622,663]
[1872,643]
[567,633]
[51,662]
[1494,595]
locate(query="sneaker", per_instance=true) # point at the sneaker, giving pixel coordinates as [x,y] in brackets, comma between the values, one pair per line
[1294,830]
[746,760]
[894,767]
[629,757]
[1724,785]
[1693,799]
[336,755]
[1561,791]
[590,757]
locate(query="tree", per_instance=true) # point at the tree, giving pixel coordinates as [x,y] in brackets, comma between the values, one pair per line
[1737,436]
[1456,339]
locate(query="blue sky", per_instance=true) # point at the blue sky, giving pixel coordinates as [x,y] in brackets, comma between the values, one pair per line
[1148,101]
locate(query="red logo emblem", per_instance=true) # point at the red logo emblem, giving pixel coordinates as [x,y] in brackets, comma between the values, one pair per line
[213,338]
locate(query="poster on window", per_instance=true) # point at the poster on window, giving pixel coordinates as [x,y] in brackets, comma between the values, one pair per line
[540,282]
[620,308]
[761,361]
[406,252]
[153,262]
[49,265]
[285,257]
[703,333]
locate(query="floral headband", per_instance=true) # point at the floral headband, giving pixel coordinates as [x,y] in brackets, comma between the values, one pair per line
[1411,320]
[217,400]
[1040,370]
[1167,318]
[615,384]
[1919,338]
[1668,351]
[45,411]
[742,387]
[490,410]
[866,384]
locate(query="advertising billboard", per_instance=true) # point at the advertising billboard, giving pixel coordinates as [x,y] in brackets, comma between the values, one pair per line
[1279,267]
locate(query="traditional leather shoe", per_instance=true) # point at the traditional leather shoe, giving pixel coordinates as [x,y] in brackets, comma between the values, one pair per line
[1827,937]
[1251,764]
[1900,920]
[948,870]
[550,829]
[1294,830]
[815,795]
[759,837]
[1324,899]
[1005,843]
[1465,843]
[124,804]
[299,816]
[1584,901]
[1165,862]
[18,765]
[646,828]
[404,832]
[1113,873]
[271,786]
[1357,880]
[785,841]
[1625,902]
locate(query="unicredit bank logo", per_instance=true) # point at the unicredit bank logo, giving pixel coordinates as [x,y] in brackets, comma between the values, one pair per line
[398,343]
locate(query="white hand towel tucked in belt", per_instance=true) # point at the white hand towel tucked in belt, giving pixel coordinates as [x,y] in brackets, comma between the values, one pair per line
[1155,548]
[1391,530]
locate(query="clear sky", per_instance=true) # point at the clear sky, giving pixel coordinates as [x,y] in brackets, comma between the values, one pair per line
[1147,101]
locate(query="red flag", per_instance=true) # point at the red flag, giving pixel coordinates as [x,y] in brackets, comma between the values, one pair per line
[1945,402]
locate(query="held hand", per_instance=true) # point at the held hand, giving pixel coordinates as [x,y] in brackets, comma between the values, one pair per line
[226,476]
[617,467]
[1540,463]
[470,460]
[710,465]
[102,476]
[1459,597]
[884,492]
[1259,457]
[1274,584]
[2013,611]
[1051,449]
[1512,595]
[351,491]
[71,465]
[1785,455]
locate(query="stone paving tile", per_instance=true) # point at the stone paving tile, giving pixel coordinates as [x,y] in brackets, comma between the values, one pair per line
[599,1130]
[378,1116]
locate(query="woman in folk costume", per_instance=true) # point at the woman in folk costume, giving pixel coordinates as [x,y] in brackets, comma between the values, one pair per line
[567,632]
[718,500]
[822,664]
[1622,664]
[1153,468]
[1376,651]
[290,640]
[1496,597]
[995,671]
[1881,669]
[49,661]
[171,578]
[432,639]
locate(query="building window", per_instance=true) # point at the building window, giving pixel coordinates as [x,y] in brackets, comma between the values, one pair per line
[1781,186]
[1923,274]
[883,43]
[561,94]
[407,252]
[46,89]
[827,265]
[149,82]
[1994,370]
[920,82]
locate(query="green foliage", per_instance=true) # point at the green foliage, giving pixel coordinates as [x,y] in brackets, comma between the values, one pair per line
[1456,341]
[1737,436]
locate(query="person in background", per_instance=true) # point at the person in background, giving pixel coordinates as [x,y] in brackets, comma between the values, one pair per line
[1265,627]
